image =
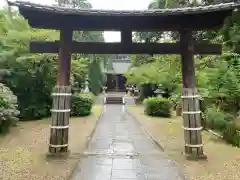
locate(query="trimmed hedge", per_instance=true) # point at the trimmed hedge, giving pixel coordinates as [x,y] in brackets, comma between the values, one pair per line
[8,108]
[81,104]
[159,107]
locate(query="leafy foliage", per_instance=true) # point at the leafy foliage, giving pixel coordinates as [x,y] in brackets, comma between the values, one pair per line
[165,70]
[138,60]
[231,32]
[160,107]
[221,81]
[215,119]
[81,104]
[8,108]
[32,76]
[230,134]
[74,3]
[95,75]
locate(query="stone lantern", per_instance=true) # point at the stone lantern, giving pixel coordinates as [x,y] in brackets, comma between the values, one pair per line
[86,90]
[159,91]
[104,89]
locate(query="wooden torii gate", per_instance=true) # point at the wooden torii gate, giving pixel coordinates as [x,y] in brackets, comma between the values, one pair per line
[185,21]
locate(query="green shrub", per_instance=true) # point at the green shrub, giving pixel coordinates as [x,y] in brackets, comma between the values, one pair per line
[223,122]
[176,100]
[230,133]
[81,104]
[237,124]
[160,107]
[31,79]
[8,108]
[229,117]
[216,119]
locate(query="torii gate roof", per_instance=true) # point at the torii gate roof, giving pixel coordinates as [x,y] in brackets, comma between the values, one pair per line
[195,18]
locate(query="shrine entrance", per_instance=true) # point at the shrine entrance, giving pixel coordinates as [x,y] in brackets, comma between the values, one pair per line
[185,21]
[116,83]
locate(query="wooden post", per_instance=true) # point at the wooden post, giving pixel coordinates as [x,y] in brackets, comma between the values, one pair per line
[190,99]
[117,83]
[126,36]
[61,98]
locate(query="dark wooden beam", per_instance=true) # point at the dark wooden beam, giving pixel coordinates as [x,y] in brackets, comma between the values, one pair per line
[118,48]
[126,36]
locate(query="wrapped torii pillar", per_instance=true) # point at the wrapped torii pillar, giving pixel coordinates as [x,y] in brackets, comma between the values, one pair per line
[190,99]
[62,97]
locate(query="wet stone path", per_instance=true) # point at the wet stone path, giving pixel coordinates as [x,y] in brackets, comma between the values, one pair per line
[120,150]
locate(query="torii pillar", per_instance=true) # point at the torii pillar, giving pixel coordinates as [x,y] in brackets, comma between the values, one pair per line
[61,97]
[190,99]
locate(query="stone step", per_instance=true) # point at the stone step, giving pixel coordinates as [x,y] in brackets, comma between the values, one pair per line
[114,90]
[114,100]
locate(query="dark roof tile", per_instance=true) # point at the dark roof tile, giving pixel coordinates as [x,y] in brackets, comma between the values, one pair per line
[155,12]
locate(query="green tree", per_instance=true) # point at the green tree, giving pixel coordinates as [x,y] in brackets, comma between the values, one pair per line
[231,32]
[74,3]
[165,70]
[30,76]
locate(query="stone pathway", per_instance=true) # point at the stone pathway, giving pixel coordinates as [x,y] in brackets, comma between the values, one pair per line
[120,150]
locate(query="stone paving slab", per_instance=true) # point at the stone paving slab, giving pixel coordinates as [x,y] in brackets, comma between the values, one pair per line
[120,150]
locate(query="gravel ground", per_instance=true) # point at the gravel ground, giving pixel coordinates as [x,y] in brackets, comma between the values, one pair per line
[23,150]
[223,161]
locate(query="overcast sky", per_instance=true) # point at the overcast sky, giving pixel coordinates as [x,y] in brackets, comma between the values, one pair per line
[106,4]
